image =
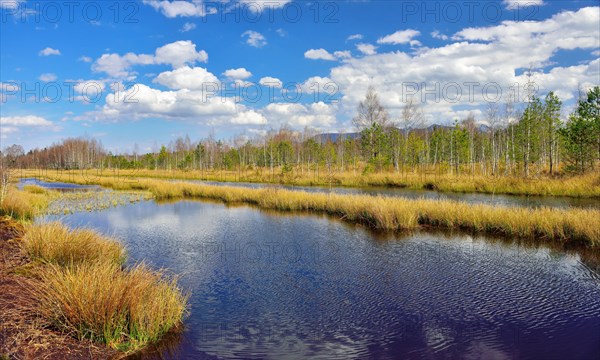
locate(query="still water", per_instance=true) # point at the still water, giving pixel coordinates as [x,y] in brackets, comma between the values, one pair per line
[272,286]
[472,198]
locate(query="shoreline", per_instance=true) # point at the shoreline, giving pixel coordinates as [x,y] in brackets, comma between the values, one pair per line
[566,226]
[579,186]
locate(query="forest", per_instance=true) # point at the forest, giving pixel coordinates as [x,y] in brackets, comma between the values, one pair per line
[521,140]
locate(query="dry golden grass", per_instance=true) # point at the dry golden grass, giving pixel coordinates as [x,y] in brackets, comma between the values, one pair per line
[587,185]
[55,243]
[126,310]
[23,205]
[563,225]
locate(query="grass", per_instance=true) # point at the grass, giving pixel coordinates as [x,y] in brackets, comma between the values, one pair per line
[82,288]
[126,310]
[567,226]
[587,185]
[24,205]
[54,242]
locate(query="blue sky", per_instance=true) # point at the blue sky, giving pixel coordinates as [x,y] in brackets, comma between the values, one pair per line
[147,72]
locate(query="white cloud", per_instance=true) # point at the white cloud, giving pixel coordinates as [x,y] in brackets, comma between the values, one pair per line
[342,54]
[366,49]
[354,37]
[318,54]
[172,9]
[254,38]
[177,54]
[28,120]
[281,32]
[188,27]
[258,6]
[438,35]
[237,74]
[495,55]
[271,81]
[519,4]
[180,53]
[49,51]
[49,77]
[196,78]
[86,59]
[315,115]
[249,117]
[399,37]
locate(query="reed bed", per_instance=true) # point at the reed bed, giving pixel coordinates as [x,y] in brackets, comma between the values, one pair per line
[83,289]
[55,243]
[587,185]
[573,226]
[382,213]
[23,205]
[126,310]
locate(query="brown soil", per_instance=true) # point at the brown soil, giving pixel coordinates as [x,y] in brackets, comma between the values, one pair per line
[23,334]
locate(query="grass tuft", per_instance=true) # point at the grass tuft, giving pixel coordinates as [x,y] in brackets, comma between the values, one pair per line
[55,243]
[97,300]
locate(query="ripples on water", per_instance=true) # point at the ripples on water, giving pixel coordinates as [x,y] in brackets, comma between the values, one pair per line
[285,286]
[472,198]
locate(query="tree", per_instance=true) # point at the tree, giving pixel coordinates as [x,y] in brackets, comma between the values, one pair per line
[552,123]
[581,133]
[370,111]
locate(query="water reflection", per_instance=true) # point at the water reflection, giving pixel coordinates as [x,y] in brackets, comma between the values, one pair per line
[472,198]
[287,286]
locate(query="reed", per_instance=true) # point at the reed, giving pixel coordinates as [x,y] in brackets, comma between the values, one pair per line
[23,205]
[548,224]
[54,243]
[587,185]
[126,310]
[563,225]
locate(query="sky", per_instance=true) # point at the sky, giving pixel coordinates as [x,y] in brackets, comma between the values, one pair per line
[136,74]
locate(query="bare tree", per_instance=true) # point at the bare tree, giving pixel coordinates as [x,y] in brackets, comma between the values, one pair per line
[370,111]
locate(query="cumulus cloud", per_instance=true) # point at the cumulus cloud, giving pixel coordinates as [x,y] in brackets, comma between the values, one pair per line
[176,54]
[48,77]
[399,37]
[49,51]
[86,59]
[237,74]
[172,9]
[438,35]
[491,56]
[319,54]
[257,6]
[519,4]
[271,81]
[28,120]
[196,78]
[354,37]
[315,115]
[254,39]
[366,49]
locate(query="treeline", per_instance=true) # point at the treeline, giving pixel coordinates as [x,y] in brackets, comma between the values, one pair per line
[509,141]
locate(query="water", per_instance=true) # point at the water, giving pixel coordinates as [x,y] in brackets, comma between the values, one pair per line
[273,286]
[58,186]
[472,198]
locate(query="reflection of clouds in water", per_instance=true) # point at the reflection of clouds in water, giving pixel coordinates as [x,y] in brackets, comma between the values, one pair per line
[480,350]
[421,293]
